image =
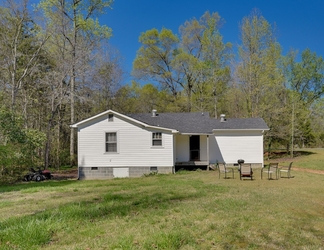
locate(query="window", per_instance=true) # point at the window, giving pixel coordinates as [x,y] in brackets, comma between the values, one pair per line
[110,117]
[157,139]
[111,142]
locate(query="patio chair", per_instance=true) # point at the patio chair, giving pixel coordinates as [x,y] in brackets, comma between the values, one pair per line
[286,170]
[212,166]
[270,170]
[223,169]
[246,171]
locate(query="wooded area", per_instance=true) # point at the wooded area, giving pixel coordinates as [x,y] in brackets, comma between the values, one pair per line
[57,68]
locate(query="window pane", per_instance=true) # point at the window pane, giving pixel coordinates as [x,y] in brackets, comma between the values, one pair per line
[157,142]
[157,135]
[111,137]
[111,147]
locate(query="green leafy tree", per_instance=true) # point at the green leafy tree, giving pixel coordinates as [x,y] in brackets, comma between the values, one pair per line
[154,59]
[317,122]
[258,72]
[259,55]
[214,76]
[305,79]
[19,147]
[185,66]
[260,77]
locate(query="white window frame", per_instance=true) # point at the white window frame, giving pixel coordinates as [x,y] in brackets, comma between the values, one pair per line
[155,139]
[117,142]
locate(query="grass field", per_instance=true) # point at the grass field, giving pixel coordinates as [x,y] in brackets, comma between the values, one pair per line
[187,210]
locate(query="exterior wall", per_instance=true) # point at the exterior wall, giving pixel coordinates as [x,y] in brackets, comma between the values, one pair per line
[230,146]
[182,148]
[203,148]
[87,173]
[134,148]
[174,150]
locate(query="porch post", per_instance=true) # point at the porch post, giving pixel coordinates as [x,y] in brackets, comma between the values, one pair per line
[208,153]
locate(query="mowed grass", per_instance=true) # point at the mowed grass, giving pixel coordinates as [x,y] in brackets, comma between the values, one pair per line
[187,210]
[312,158]
[315,160]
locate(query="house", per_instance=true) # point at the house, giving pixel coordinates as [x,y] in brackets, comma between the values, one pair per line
[112,144]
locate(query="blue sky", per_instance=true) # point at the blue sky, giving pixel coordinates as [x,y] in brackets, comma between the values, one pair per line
[299,23]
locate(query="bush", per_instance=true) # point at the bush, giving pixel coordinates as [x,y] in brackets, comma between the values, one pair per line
[18,147]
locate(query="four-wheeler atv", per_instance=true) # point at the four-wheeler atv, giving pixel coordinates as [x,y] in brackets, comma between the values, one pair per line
[38,175]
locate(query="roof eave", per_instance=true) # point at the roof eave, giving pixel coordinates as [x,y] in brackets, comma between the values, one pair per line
[76,125]
[248,129]
[174,131]
[195,133]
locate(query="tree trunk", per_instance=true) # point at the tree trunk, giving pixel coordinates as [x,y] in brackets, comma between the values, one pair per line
[47,146]
[72,156]
[48,133]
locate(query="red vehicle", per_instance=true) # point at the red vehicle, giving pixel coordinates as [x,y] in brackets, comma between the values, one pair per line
[38,175]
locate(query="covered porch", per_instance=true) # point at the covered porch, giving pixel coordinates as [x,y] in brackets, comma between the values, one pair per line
[192,151]
[192,165]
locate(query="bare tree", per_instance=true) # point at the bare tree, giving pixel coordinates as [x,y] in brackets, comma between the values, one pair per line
[78,32]
[21,45]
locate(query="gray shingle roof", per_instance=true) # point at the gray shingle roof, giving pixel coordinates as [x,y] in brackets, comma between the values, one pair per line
[198,123]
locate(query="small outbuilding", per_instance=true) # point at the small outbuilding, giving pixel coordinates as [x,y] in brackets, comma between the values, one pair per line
[115,145]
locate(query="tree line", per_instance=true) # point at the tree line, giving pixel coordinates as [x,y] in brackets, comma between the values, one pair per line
[57,68]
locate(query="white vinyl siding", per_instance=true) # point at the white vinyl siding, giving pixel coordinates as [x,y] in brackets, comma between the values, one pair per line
[246,145]
[134,145]
[203,148]
[182,148]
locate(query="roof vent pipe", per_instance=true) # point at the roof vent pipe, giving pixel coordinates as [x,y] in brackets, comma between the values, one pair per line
[154,113]
[222,118]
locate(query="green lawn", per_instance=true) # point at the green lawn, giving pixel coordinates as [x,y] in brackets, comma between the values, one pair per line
[187,210]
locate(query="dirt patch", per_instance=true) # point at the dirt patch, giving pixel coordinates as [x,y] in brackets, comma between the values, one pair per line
[283,154]
[66,175]
[309,170]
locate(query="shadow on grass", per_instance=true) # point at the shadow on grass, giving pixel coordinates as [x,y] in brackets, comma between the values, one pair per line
[121,203]
[47,223]
[283,154]
[133,199]
[27,185]
[109,206]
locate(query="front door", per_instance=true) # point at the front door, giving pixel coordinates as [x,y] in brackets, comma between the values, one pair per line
[194,148]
